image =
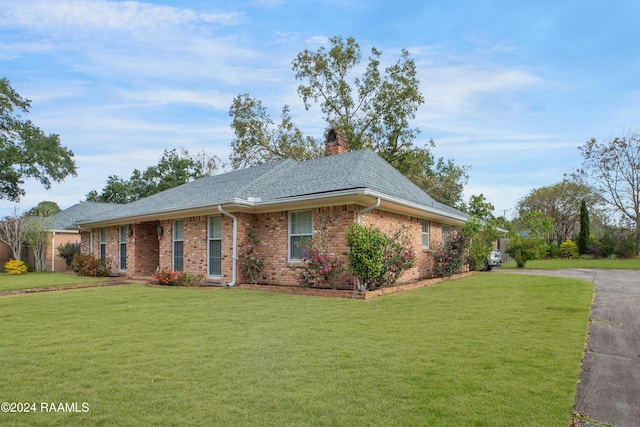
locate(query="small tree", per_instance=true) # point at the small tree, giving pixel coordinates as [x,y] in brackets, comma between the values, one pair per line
[583,235]
[12,232]
[366,254]
[38,237]
[523,249]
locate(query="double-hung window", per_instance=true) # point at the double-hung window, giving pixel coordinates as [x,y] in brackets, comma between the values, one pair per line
[425,234]
[103,244]
[215,245]
[446,232]
[300,229]
[178,245]
[123,247]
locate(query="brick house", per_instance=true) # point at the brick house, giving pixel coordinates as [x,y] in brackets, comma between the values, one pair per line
[197,227]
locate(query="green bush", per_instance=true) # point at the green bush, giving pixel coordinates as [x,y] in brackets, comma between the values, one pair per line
[366,254]
[89,265]
[399,257]
[569,249]
[15,266]
[67,251]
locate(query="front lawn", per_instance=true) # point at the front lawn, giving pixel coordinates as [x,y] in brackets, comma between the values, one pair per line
[494,350]
[558,264]
[43,279]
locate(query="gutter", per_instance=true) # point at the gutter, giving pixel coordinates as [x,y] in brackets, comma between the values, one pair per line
[370,208]
[235,239]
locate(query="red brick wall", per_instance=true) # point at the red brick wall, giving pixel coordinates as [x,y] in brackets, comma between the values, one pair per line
[146,252]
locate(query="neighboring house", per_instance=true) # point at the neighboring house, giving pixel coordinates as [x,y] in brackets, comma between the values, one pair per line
[197,227]
[63,230]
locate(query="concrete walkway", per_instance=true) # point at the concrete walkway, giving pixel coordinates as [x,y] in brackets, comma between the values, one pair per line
[609,388]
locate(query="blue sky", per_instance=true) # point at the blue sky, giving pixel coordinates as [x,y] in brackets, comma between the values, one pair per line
[511,88]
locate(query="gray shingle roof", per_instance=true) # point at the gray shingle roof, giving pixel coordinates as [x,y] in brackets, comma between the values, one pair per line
[278,181]
[67,218]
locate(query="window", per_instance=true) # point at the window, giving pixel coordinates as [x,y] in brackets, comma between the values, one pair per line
[215,246]
[300,228]
[103,243]
[123,247]
[446,231]
[425,234]
[178,245]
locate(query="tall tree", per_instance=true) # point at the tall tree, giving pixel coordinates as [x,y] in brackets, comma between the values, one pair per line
[258,140]
[12,232]
[173,169]
[614,168]
[373,110]
[583,234]
[45,208]
[560,202]
[25,150]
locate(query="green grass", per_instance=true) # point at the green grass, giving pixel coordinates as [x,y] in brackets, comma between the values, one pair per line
[556,264]
[42,279]
[487,350]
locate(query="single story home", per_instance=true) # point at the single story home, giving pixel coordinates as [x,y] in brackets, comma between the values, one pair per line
[198,227]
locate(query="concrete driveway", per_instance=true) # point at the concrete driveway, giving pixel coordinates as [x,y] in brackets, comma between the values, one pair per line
[609,388]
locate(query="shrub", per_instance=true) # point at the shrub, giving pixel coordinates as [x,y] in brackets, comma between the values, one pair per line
[321,267]
[15,266]
[569,249]
[89,265]
[523,249]
[251,265]
[168,277]
[366,254]
[448,260]
[399,257]
[67,251]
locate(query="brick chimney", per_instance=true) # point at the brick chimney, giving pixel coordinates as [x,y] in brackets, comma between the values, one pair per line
[336,142]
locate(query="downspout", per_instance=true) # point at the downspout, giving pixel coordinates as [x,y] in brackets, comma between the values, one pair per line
[235,239]
[370,208]
[53,254]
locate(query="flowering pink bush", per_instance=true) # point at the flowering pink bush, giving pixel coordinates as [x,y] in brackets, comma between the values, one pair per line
[321,266]
[166,277]
[448,260]
[399,257]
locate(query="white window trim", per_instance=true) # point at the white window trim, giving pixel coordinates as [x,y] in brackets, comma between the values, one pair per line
[102,244]
[290,234]
[120,243]
[173,244]
[209,239]
[427,233]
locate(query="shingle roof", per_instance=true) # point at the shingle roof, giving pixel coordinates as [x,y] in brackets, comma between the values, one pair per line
[67,218]
[277,181]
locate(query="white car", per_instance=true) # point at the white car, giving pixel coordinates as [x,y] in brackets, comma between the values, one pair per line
[494,259]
